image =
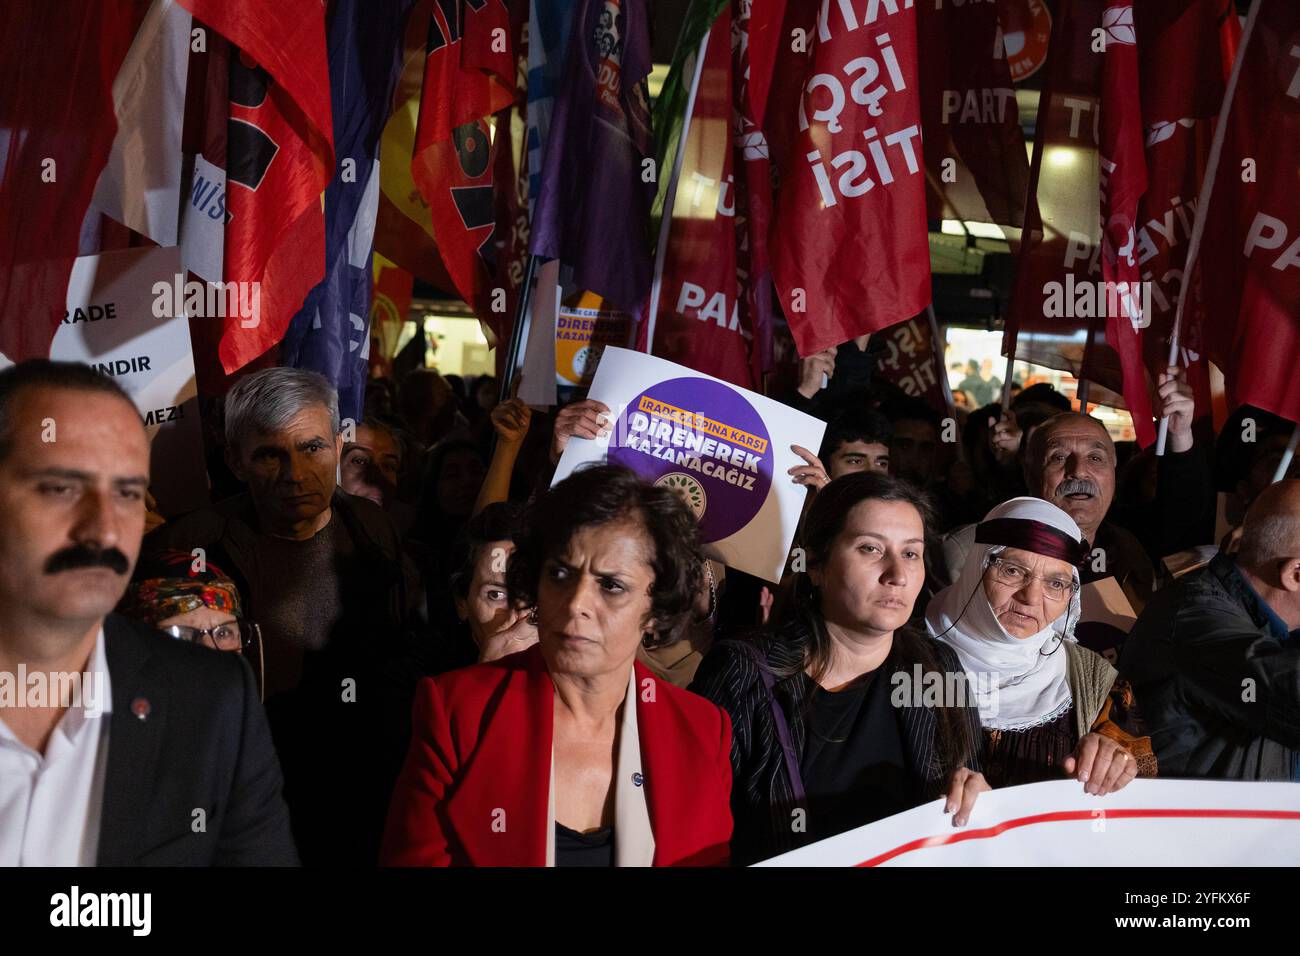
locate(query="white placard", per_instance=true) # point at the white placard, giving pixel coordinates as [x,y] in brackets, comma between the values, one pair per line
[1106,616]
[1148,823]
[110,325]
[203,222]
[726,450]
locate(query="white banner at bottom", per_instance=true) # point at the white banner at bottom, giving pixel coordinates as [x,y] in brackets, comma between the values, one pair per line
[1148,823]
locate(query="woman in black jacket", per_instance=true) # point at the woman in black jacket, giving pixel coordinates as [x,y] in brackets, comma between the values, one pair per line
[843,715]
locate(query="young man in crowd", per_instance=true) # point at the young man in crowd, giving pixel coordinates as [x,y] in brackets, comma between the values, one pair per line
[155,733]
[856,441]
[914,449]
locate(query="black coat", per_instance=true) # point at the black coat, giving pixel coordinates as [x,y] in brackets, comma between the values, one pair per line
[203,744]
[762,792]
[340,752]
[1220,693]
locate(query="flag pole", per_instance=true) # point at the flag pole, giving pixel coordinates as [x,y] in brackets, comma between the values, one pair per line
[1006,381]
[1203,202]
[670,197]
[1082,390]
[1284,465]
[940,359]
[517,333]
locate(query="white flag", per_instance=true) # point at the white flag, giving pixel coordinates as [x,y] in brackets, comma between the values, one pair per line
[140,186]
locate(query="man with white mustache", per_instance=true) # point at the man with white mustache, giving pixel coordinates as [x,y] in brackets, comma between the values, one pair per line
[1071,462]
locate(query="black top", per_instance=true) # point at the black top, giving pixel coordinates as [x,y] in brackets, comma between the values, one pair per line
[853,765]
[1188,656]
[1013,757]
[584,849]
[762,793]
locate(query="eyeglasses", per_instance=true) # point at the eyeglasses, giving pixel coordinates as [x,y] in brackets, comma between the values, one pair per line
[234,635]
[1014,575]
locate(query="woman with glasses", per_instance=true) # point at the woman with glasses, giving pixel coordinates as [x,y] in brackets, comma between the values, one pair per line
[189,604]
[1048,706]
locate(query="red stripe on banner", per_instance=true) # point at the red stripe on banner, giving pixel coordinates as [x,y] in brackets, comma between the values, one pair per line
[1063,816]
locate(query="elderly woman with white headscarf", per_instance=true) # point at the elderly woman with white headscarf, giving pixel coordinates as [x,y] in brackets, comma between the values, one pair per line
[1048,706]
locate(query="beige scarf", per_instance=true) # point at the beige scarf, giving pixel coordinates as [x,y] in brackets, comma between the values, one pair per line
[634,842]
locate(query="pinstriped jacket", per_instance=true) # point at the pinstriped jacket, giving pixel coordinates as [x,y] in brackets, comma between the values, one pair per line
[762,792]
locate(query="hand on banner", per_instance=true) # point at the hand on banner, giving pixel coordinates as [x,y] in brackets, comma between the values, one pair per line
[1177,405]
[812,475]
[586,419]
[811,370]
[963,789]
[1004,437]
[1100,764]
[510,419]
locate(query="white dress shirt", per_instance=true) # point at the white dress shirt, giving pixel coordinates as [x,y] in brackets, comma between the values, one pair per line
[50,804]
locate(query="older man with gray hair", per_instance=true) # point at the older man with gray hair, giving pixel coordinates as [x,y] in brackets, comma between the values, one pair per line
[320,572]
[1215,659]
[1070,460]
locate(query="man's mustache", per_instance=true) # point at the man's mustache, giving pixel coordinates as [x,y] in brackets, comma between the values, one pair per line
[84,556]
[1077,486]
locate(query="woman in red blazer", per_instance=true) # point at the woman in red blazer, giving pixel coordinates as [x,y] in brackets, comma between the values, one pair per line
[570,753]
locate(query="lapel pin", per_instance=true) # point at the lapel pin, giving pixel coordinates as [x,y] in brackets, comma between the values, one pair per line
[141,707]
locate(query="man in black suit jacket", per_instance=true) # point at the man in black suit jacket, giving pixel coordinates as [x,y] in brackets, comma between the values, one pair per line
[203,745]
[173,765]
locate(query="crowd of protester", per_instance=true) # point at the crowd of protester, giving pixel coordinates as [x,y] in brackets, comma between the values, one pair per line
[398,643]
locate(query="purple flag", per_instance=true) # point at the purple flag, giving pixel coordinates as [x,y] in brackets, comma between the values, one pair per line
[593,208]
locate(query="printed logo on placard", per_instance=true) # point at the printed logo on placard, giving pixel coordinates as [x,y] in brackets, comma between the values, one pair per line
[688,489]
[706,442]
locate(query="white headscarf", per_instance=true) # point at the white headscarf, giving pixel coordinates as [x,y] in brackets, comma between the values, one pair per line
[1019,682]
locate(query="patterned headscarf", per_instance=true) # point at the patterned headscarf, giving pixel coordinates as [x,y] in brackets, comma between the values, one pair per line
[168,585]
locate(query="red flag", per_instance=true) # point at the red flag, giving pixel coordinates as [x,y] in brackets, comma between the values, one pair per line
[1057,273]
[1123,179]
[403,226]
[1245,283]
[910,359]
[57,66]
[279,157]
[469,74]
[977,167]
[390,303]
[510,174]
[1185,52]
[762,25]
[700,323]
[850,248]
[753,54]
